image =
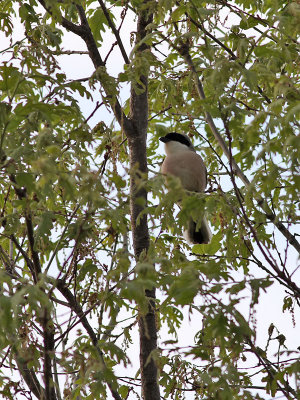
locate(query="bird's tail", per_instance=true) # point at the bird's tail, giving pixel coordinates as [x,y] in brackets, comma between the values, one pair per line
[200,235]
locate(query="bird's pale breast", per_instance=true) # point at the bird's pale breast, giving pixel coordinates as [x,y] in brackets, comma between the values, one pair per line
[188,167]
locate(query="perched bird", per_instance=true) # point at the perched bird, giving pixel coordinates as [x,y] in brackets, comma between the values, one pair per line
[183,162]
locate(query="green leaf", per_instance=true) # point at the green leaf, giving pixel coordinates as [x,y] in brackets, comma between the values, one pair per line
[247,23]
[178,12]
[45,225]
[212,248]
[97,22]
[4,113]
[6,24]
[26,180]
[185,287]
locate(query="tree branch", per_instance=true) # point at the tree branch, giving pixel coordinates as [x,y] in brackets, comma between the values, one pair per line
[24,254]
[48,333]
[30,234]
[269,367]
[184,51]
[140,233]
[35,263]
[84,31]
[29,377]
[115,31]
[227,49]
[88,37]
[75,306]
[281,275]
[77,29]
[238,11]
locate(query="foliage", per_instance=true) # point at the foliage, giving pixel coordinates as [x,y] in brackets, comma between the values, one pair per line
[72,289]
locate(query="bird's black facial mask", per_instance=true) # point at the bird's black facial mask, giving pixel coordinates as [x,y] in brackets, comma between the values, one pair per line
[175,137]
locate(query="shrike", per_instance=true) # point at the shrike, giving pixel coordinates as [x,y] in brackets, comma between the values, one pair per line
[183,162]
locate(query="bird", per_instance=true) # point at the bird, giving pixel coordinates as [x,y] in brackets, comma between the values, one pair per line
[183,162]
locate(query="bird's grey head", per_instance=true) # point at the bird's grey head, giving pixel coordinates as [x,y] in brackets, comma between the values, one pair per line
[177,137]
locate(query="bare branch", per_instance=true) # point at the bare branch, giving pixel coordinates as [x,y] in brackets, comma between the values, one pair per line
[115,31]
[70,53]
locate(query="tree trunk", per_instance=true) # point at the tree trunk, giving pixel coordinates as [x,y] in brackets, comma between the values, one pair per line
[138,198]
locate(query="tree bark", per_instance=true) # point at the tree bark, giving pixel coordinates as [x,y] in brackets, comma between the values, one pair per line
[138,201]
